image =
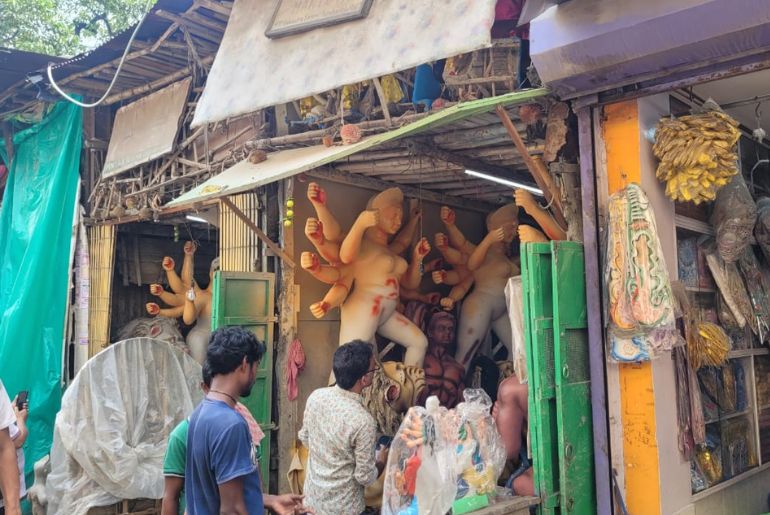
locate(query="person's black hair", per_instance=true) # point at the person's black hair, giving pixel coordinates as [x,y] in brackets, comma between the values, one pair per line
[227,348]
[206,374]
[351,362]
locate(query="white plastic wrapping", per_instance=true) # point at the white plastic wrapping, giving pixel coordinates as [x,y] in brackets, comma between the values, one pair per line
[440,455]
[111,433]
[479,451]
[514,295]
[419,478]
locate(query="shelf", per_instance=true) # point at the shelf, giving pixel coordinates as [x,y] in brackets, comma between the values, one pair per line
[693,225]
[696,289]
[744,353]
[698,227]
[730,482]
[728,417]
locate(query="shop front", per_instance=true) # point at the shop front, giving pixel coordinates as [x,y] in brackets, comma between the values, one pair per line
[672,130]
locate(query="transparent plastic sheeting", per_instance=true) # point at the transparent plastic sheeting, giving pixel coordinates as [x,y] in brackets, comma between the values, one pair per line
[111,433]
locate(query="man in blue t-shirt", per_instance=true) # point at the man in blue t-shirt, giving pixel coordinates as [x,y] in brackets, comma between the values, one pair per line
[222,473]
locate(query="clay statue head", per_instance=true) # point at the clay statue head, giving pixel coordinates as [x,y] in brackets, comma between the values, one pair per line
[410,382]
[508,215]
[390,203]
[441,329]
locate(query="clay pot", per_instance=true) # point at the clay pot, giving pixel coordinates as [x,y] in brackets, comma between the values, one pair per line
[350,134]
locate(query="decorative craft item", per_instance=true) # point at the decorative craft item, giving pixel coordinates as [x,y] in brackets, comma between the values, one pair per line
[640,299]
[733,218]
[698,155]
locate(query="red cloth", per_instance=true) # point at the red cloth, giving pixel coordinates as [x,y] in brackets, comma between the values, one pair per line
[507,13]
[294,366]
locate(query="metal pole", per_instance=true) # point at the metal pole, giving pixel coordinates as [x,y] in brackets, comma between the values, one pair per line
[597,361]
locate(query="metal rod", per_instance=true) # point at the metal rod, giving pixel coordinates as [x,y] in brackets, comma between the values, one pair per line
[746,101]
[602,473]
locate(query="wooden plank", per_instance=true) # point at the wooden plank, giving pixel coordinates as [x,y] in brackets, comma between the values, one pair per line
[536,168]
[262,236]
[594,311]
[409,191]
[512,506]
[383,100]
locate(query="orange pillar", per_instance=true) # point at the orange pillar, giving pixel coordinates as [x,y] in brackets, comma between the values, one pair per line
[622,132]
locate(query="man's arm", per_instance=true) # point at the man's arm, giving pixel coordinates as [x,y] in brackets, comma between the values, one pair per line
[364,443]
[21,423]
[231,498]
[9,473]
[172,487]
[286,504]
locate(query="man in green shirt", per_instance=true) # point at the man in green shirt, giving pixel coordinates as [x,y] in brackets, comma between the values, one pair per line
[173,470]
[176,456]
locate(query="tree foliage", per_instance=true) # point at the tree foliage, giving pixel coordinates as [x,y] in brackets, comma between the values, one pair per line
[65,27]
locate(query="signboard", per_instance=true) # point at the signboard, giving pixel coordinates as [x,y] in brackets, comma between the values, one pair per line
[295,16]
[146,129]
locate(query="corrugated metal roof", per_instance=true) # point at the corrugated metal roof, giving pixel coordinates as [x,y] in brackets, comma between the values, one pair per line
[16,64]
[175,23]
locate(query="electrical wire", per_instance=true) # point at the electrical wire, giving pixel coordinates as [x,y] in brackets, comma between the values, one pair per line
[49,68]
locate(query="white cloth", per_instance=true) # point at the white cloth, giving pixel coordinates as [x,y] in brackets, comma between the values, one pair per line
[7,416]
[515,298]
[8,421]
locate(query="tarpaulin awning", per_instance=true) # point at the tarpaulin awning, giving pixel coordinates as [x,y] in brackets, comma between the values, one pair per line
[589,46]
[245,175]
[252,71]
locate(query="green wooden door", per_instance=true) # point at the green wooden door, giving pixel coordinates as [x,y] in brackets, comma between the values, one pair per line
[556,334]
[245,299]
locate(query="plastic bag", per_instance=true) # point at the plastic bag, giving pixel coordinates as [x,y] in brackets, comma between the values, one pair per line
[111,433]
[640,301]
[762,227]
[480,454]
[733,218]
[419,477]
[755,285]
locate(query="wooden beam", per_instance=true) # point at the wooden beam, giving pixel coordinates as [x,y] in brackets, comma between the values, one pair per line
[379,185]
[466,163]
[217,7]
[129,57]
[383,100]
[197,29]
[261,235]
[163,81]
[537,169]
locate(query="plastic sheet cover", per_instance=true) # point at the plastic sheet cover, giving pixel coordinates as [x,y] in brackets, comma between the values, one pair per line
[35,242]
[111,433]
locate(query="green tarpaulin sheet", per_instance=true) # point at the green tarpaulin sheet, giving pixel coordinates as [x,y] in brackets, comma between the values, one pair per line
[35,237]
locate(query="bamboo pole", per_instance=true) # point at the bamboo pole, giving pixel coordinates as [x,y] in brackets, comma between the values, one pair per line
[537,168]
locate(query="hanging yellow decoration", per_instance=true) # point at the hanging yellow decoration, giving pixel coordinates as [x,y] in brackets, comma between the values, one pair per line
[697,154]
[707,345]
